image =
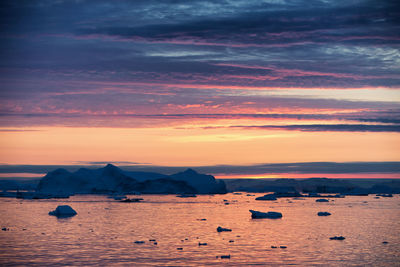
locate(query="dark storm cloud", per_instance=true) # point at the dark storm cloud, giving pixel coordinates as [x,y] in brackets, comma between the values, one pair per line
[369,23]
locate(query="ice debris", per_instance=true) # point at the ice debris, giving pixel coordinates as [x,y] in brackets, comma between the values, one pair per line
[337,238]
[221,229]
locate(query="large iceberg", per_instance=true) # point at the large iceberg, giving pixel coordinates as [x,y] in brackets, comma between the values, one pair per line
[203,183]
[113,180]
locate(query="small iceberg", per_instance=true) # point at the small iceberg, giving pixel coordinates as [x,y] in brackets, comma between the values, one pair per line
[221,229]
[267,197]
[63,211]
[323,213]
[384,195]
[118,197]
[322,200]
[225,256]
[261,215]
[130,200]
[337,238]
[186,195]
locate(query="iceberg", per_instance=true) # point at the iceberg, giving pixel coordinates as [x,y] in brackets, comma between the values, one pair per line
[225,256]
[186,195]
[323,213]
[204,184]
[221,229]
[261,215]
[267,197]
[130,200]
[63,211]
[337,238]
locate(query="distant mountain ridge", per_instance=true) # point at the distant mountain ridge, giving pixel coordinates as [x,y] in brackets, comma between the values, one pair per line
[111,179]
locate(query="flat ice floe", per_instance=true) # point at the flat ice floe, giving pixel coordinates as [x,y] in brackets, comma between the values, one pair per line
[269,215]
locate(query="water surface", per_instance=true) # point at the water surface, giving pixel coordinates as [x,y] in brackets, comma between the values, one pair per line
[104,231]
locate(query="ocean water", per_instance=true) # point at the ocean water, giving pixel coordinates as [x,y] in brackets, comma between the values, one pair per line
[104,231]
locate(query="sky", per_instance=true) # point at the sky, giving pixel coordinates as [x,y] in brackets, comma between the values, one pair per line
[238,84]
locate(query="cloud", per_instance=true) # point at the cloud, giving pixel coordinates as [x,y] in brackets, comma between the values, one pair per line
[327,127]
[299,167]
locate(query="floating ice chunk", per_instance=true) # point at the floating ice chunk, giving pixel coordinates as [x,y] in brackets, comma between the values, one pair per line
[130,200]
[337,238]
[186,195]
[384,195]
[119,197]
[322,200]
[323,213]
[269,215]
[221,229]
[63,211]
[267,197]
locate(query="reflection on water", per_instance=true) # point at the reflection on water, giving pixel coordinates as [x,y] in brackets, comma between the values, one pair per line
[104,232]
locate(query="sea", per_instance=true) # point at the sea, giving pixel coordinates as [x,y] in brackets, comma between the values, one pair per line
[174,231]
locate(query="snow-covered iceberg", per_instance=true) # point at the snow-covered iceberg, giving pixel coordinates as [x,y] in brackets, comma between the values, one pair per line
[113,180]
[203,183]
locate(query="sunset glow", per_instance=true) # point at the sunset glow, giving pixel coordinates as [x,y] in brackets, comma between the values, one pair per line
[253,83]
